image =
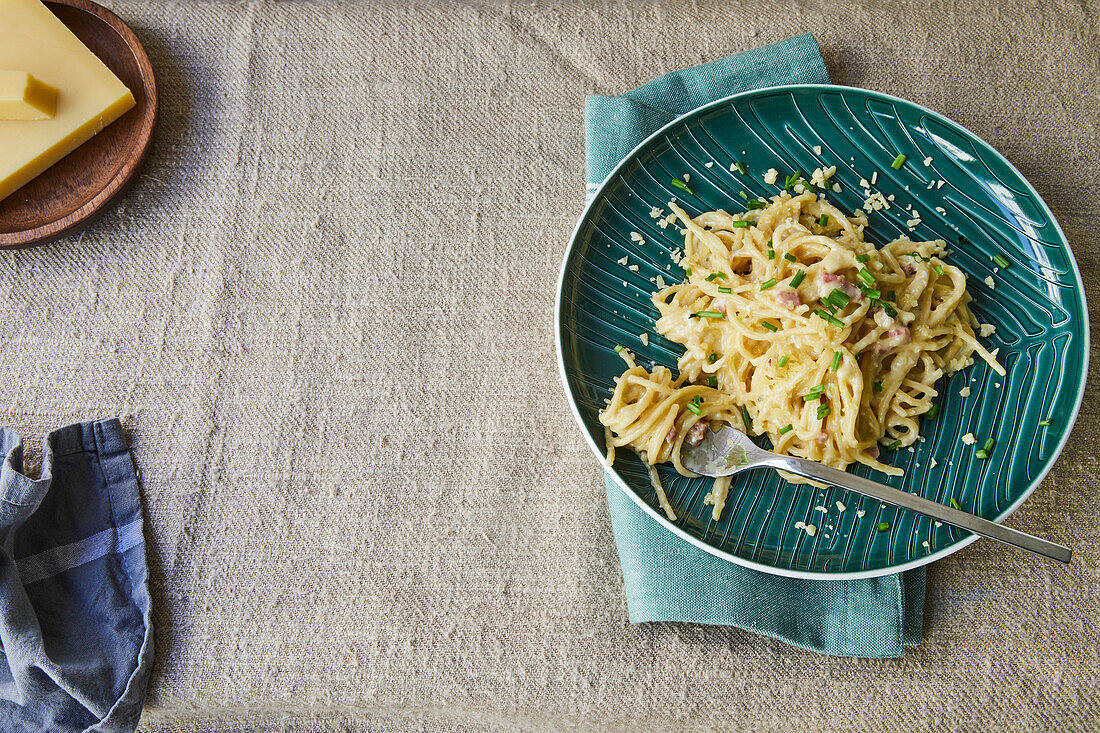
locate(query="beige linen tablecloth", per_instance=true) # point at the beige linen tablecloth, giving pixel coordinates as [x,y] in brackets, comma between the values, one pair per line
[326,313]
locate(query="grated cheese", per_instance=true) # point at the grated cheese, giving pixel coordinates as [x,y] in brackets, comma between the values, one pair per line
[819,176]
[989,281]
[969,439]
[809,528]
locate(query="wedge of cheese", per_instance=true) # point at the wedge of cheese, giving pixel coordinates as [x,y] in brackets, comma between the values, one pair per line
[89,96]
[22,97]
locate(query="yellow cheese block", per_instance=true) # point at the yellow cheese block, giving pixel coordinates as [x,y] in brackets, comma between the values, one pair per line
[22,97]
[89,96]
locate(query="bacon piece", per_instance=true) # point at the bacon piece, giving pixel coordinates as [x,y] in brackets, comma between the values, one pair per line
[789,298]
[697,432]
[672,435]
[831,281]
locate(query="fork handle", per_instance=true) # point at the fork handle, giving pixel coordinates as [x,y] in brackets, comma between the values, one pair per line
[913,502]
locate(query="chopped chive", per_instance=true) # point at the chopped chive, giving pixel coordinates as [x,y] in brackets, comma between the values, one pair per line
[770,326]
[694,408]
[932,412]
[872,294]
[784,359]
[863,258]
[883,526]
[877,386]
[746,419]
[712,381]
[727,291]
[769,283]
[755,204]
[891,296]
[688,272]
[798,278]
[829,306]
[712,358]
[894,446]
[786,429]
[771,254]
[1001,261]
[770,242]
[837,356]
[823,411]
[680,184]
[744,195]
[739,224]
[939,270]
[709,314]
[989,444]
[619,348]
[899,162]
[817,390]
[715,275]
[740,167]
[829,318]
[823,221]
[1042,423]
[890,310]
[955,504]
[981,454]
[866,276]
[789,257]
[838,297]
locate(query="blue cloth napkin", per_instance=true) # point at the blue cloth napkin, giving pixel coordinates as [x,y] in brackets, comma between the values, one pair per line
[666,578]
[75,613]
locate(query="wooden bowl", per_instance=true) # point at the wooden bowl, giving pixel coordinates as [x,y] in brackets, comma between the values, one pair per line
[84,184]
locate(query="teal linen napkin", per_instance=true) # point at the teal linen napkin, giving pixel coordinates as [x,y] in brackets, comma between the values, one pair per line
[666,578]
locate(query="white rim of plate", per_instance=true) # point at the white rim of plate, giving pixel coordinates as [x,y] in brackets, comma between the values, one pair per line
[661,519]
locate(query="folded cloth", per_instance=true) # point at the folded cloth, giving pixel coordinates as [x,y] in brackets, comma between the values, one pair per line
[666,578]
[75,614]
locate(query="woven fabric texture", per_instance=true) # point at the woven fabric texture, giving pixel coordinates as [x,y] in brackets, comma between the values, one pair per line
[325,311]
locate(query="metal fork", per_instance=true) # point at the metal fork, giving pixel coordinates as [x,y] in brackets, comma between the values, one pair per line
[728,451]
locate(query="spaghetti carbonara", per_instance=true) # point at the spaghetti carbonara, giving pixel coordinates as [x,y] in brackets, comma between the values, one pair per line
[797,328]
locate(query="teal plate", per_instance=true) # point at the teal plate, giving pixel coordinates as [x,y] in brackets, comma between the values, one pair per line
[984,207]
